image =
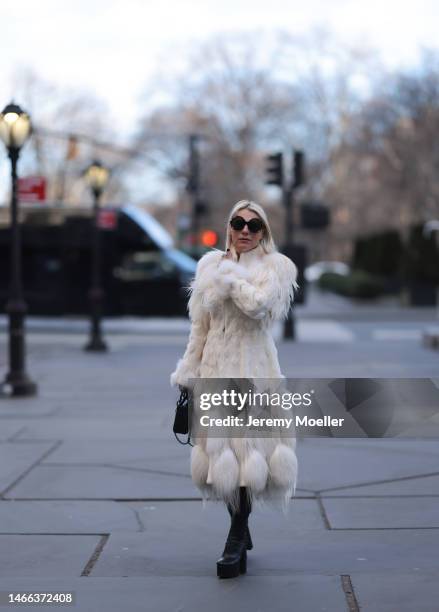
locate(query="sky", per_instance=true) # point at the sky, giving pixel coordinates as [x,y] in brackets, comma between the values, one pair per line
[111,47]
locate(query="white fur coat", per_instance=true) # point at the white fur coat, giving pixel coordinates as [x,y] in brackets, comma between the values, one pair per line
[232,307]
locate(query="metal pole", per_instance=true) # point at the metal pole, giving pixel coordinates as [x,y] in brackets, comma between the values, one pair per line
[288,197]
[193,186]
[96,294]
[17,382]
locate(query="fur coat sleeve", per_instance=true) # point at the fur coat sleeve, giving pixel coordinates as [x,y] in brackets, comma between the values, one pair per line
[265,291]
[188,366]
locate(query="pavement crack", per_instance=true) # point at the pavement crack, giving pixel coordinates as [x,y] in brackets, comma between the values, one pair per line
[16,434]
[138,519]
[383,496]
[136,513]
[383,528]
[323,513]
[95,556]
[379,482]
[116,466]
[348,591]
[56,445]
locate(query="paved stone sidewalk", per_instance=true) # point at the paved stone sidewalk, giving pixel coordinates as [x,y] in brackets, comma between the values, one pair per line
[96,497]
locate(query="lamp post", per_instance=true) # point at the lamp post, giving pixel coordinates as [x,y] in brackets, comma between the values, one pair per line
[96,177]
[15,129]
[193,187]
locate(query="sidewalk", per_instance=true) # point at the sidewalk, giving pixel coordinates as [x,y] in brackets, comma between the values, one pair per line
[96,496]
[319,305]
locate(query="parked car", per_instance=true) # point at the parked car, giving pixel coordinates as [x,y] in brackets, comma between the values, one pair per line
[315,270]
[142,271]
[162,273]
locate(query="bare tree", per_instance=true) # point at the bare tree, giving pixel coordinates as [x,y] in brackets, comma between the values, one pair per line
[385,170]
[68,129]
[239,108]
[249,95]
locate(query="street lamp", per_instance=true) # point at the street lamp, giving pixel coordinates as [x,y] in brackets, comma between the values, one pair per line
[15,129]
[96,177]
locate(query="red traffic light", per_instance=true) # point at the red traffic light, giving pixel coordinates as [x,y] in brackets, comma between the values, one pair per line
[209,238]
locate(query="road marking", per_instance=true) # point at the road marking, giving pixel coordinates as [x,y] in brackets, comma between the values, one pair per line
[318,331]
[397,334]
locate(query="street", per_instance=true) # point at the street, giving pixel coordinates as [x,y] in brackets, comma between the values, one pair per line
[96,495]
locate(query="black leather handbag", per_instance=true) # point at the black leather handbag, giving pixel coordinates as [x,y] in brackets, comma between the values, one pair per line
[181,420]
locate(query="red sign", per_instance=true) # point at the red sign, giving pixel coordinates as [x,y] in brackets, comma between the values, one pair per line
[107,219]
[32,189]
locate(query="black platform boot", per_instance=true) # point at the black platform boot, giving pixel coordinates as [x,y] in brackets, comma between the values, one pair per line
[248,539]
[234,558]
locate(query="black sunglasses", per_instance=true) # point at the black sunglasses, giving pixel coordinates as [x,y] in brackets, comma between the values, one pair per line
[254,225]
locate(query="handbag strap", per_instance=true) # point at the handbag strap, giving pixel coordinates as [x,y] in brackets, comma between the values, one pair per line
[184,396]
[187,441]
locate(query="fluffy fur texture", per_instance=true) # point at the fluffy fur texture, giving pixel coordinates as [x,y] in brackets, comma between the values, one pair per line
[255,471]
[232,306]
[199,465]
[283,463]
[225,472]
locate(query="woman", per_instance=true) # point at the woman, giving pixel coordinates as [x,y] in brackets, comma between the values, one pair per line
[234,299]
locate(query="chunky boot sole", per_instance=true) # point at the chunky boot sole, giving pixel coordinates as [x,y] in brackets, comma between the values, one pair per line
[232,570]
[243,563]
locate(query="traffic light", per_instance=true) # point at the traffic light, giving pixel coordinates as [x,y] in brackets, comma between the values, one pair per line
[299,169]
[209,238]
[201,208]
[274,169]
[314,215]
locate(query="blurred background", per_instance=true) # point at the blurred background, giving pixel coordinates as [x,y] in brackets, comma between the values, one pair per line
[184,103]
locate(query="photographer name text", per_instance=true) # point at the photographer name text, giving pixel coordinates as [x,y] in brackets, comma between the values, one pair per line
[300,421]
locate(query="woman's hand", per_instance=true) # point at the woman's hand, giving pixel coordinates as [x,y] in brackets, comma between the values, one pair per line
[228,255]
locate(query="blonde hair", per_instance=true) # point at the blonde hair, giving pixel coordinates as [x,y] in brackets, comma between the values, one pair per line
[267,242]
